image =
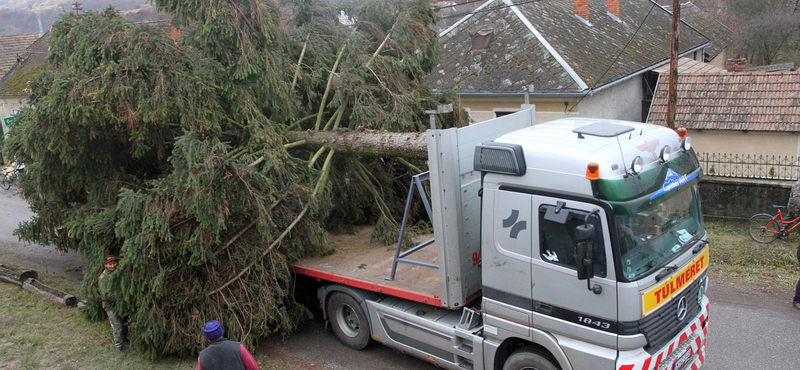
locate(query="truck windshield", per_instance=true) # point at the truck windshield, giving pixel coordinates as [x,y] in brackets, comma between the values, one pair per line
[653,232]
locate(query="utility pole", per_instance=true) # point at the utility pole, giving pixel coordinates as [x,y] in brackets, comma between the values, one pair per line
[77,7]
[672,94]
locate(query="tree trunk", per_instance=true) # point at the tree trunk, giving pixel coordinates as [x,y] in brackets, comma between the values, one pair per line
[367,143]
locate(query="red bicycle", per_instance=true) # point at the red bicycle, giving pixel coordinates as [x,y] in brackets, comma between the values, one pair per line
[765,228]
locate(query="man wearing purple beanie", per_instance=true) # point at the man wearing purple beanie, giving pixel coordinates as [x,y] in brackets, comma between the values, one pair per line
[223,354]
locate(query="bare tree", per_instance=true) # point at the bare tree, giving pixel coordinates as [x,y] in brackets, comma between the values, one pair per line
[767,31]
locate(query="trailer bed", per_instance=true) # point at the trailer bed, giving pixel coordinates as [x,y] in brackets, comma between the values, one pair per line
[359,263]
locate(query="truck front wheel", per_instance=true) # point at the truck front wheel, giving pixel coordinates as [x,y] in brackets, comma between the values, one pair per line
[525,359]
[348,321]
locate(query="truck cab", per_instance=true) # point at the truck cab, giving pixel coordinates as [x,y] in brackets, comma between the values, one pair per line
[628,294]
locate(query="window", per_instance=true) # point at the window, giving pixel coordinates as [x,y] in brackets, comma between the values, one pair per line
[558,241]
[480,40]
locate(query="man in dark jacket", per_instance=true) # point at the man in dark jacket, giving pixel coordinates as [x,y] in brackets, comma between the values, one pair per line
[223,354]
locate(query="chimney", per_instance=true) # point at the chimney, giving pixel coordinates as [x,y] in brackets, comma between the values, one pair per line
[582,9]
[613,7]
[736,64]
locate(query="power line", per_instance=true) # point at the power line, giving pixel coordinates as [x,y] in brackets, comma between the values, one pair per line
[489,9]
[652,6]
[454,4]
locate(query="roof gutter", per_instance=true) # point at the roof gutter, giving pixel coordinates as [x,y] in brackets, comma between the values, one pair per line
[538,95]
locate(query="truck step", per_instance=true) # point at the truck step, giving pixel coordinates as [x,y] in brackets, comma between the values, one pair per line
[466,364]
[465,347]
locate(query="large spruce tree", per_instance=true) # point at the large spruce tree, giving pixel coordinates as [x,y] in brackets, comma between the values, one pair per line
[171,151]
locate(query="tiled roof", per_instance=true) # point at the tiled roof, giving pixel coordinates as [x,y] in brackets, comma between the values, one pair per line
[686,65]
[15,82]
[720,35]
[11,46]
[545,44]
[755,101]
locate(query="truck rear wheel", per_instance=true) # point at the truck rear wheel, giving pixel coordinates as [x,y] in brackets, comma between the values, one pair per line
[348,320]
[525,359]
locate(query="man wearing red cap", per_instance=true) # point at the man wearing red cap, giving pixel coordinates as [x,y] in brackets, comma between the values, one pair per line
[223,354]
[117,324]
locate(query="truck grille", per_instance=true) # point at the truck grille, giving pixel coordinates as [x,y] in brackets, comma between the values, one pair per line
[663,324]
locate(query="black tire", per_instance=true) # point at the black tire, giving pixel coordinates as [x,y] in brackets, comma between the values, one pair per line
[6,183]
[526,359]
[761,229]
[348,321]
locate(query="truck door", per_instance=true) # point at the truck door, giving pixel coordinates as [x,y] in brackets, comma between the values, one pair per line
[562,304]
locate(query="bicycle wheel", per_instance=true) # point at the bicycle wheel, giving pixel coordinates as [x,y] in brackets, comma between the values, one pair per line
[763,228]
[6,183]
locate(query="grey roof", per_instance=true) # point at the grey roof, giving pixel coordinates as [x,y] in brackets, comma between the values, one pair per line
[545,44]
[782,67]
[720,35]
[34,60]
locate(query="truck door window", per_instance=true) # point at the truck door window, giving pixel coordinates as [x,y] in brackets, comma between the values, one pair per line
[557,240]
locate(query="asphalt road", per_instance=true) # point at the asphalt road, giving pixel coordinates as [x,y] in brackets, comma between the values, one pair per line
[750,327]
[43,259]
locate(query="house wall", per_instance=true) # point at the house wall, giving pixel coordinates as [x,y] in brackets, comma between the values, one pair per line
[719,60]
[746,142]
[7,106]
[482,109]
[621,101]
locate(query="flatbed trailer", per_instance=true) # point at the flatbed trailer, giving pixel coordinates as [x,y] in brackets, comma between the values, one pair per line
[362,264]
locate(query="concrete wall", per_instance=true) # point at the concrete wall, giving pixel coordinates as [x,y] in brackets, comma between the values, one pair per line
[726,198]
[621,101]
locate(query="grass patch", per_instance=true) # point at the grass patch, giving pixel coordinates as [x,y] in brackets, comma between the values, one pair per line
[734,255]
[39,334]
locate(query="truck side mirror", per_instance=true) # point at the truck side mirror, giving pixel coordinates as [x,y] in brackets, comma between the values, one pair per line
[585,255]
[584,251]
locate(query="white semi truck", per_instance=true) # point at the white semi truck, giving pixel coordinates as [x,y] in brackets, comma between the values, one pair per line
[571,244]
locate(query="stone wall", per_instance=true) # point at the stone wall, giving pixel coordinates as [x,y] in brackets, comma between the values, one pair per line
[729,198]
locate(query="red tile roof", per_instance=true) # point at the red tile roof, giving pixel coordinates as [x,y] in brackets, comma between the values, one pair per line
[753,101]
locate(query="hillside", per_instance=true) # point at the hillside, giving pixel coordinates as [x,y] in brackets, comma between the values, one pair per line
[20,16]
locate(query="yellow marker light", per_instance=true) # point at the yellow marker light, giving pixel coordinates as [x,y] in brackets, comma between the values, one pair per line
[431,358]
[592,171]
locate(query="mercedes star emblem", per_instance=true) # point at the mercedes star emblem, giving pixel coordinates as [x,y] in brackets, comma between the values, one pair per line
[682,308]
